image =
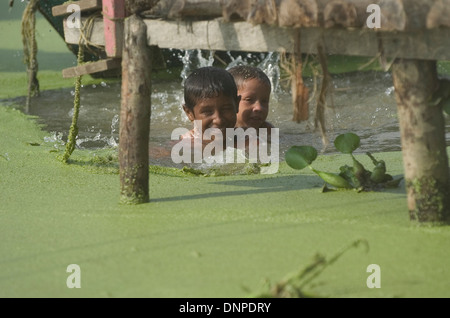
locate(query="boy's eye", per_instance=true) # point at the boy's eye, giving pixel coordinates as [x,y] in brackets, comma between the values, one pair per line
[206,112]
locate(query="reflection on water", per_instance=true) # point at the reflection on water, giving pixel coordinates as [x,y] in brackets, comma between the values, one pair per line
[364,103]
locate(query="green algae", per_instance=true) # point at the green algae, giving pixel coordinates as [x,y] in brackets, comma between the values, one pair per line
[228,169]
[134,185]
[99,161]
[134,198]
[73,131]
[296,284]
[247,229]
[53,57]
[431,198]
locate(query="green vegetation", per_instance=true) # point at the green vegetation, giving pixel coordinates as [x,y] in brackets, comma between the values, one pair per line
[355,177]
[198,237]
[295,285]
[53,56]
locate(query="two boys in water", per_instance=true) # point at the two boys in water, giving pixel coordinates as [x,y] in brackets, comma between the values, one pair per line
[220,99]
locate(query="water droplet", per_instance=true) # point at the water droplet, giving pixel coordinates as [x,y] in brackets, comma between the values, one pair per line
[112,142]
[97,137]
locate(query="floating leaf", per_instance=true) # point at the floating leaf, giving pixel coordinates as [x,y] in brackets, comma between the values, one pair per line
[333,179]
[299,157]
[347,143]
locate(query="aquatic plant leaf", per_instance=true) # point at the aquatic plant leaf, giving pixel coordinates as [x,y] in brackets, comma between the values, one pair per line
[299,157]
[348,173]
[379,173]
[347,143]
[333,179]
[360,172]
[358,167]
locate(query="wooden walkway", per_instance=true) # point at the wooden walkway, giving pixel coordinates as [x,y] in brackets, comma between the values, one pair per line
[427,38]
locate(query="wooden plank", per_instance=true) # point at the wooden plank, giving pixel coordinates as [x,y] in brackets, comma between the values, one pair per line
[113,15]
[425,44]
[91,67]
[85,5]
[243,36]
[72,35]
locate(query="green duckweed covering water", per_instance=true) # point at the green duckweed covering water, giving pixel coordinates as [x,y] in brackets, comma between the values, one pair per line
[198,237]
[223,236]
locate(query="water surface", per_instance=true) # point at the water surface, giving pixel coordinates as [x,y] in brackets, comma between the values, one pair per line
[360,102]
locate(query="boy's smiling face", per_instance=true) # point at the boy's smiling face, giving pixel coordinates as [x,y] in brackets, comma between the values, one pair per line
[214,112]
[254,104]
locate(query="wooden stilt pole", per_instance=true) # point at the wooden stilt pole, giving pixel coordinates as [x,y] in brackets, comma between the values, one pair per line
[135,113]
[422,130]
[113,15]
[299,90]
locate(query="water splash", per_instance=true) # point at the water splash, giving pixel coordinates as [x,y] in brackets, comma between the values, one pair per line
[55,139]
[114,124]
[193,59]
[270,66]
[236,61]
[364,103]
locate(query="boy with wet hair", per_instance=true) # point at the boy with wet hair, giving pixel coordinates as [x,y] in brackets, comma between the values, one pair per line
[210,96]
[254,88]
[212,101]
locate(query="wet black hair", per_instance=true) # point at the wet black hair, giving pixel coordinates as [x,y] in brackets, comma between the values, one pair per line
[242,73]
[208,82]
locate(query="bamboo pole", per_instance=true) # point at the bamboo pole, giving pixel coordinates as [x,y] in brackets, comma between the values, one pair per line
[422,129]
[135,113]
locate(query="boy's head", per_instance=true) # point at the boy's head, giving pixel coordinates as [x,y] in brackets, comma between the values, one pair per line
[254,88]
[210,95]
